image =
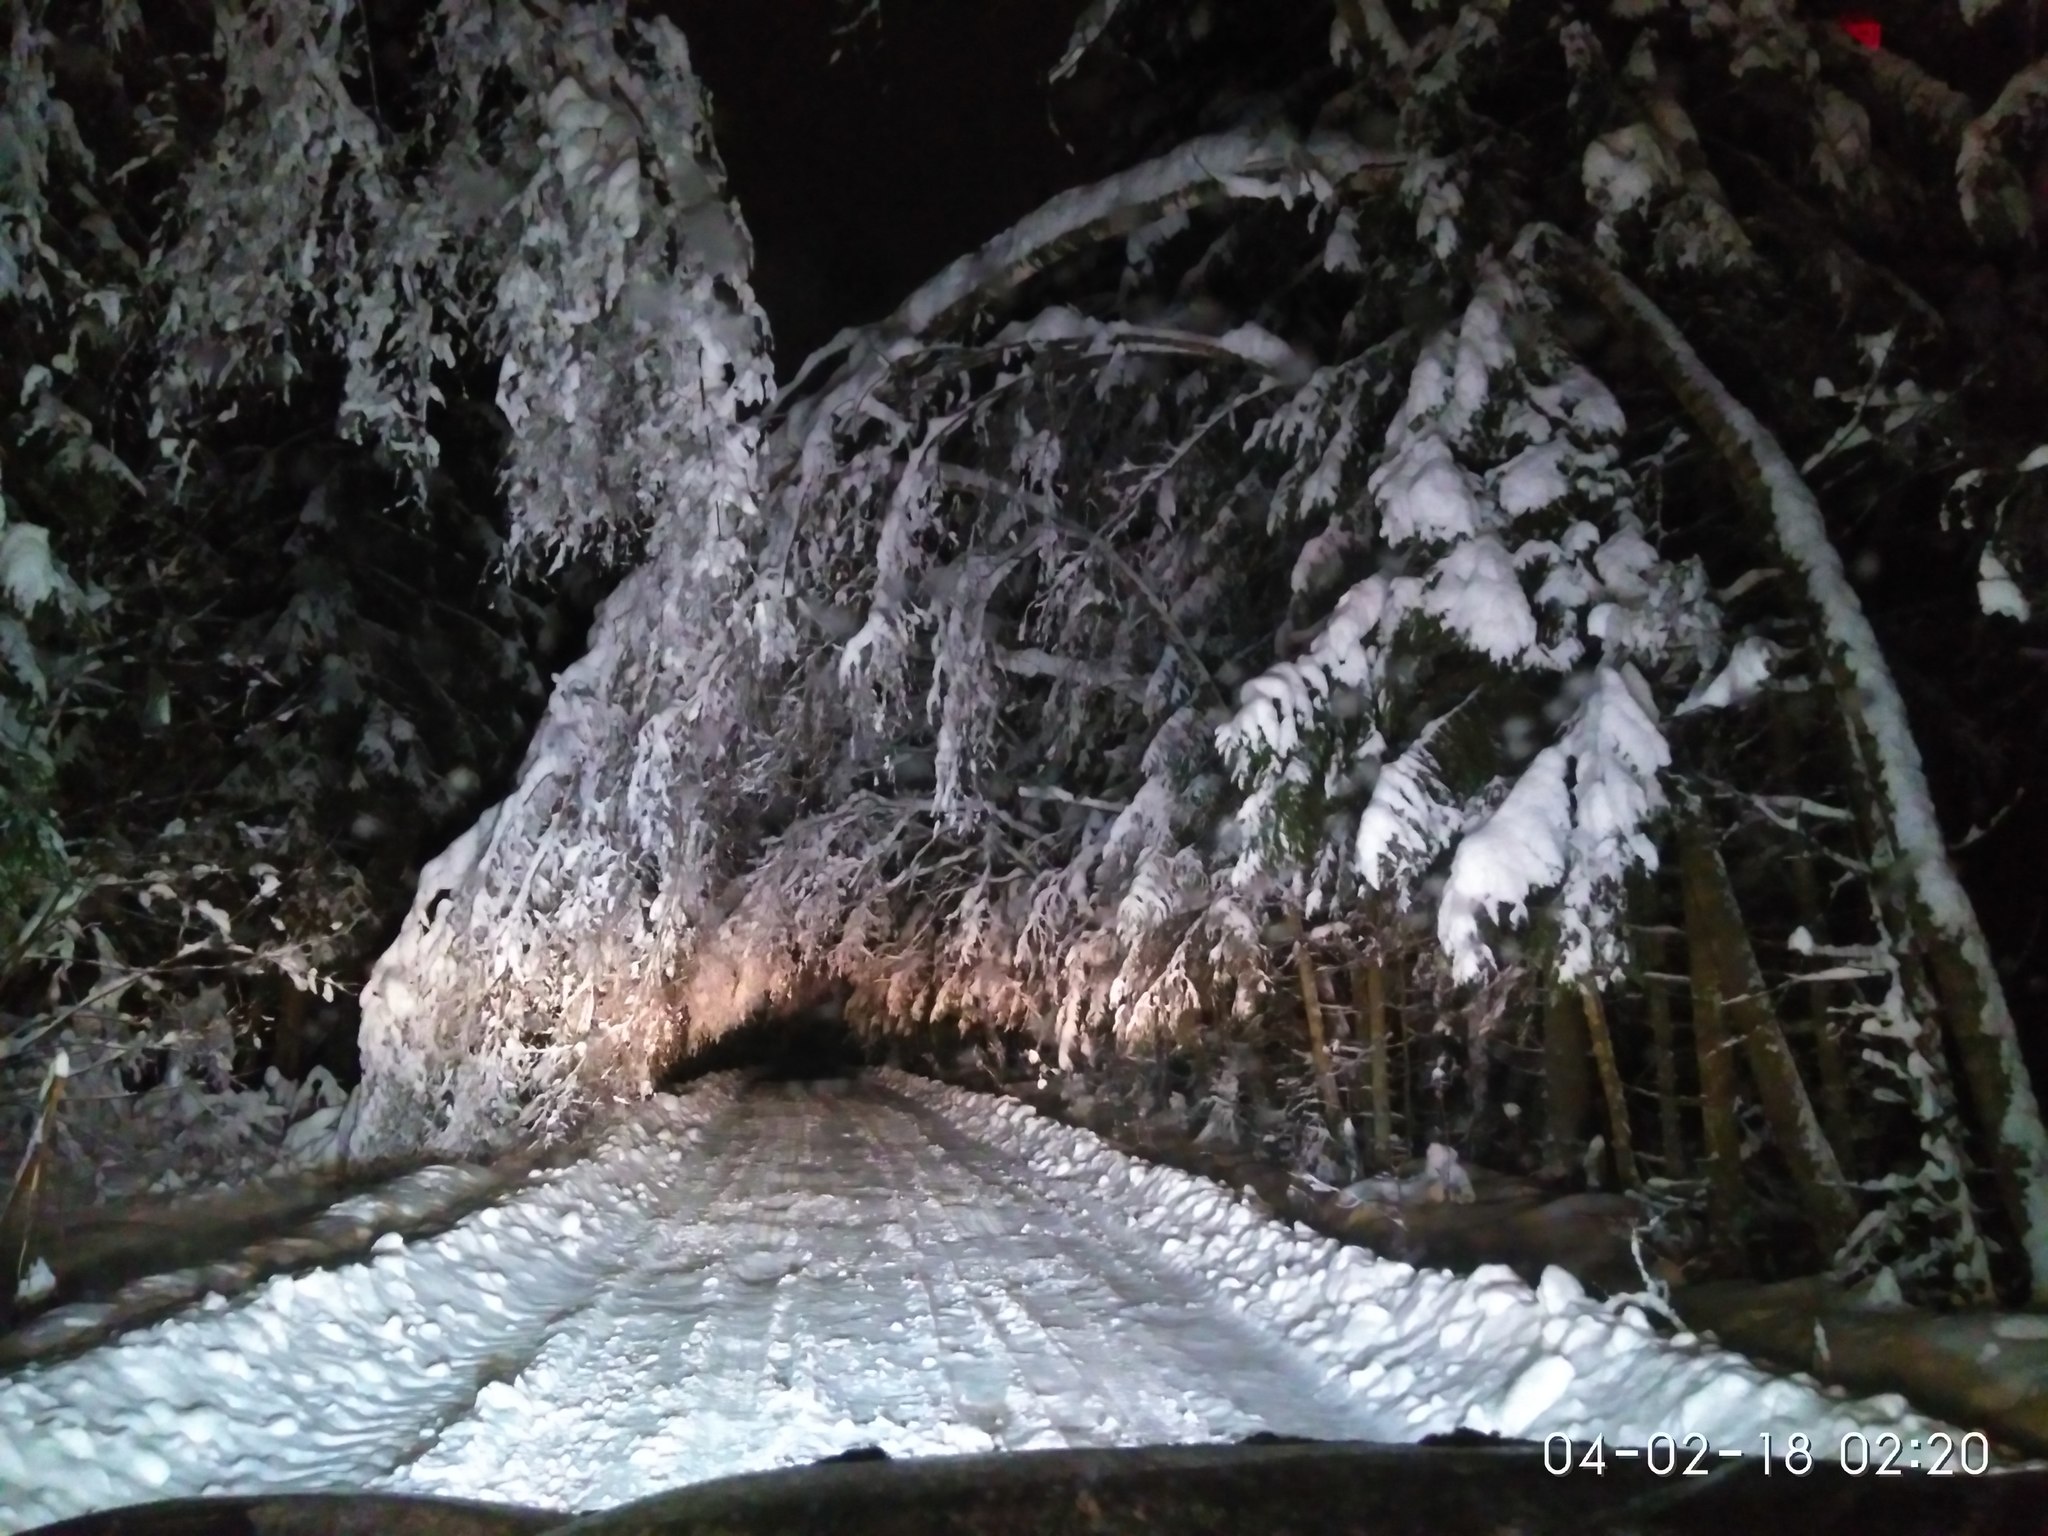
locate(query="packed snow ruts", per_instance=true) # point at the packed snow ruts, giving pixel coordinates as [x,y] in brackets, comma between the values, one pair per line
[731,1282]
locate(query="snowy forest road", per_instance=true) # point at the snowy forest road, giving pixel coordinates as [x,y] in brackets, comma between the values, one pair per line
[740,1278]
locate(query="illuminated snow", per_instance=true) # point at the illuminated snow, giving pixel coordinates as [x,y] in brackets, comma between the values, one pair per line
[729,1282]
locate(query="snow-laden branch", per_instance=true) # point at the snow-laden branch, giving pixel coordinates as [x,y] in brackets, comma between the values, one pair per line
[1265,163]
[1271,162]
[1520,549]
[1997,204]
[1933,103]
[1088,30]
[575,234]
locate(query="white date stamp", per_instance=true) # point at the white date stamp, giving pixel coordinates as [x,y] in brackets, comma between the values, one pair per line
[1856,1453]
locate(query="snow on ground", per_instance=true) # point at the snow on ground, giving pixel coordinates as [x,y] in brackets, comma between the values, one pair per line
[217,1220]
[1416,1351]
[735,1281]
[329,1380]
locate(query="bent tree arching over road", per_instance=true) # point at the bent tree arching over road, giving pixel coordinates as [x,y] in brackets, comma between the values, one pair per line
[1460,598]
[1279,608]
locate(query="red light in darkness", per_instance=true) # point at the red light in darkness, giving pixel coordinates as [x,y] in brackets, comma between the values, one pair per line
[1866,30]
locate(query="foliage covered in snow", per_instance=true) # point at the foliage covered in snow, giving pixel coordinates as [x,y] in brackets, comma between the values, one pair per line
[532,201]
[559,209]
[1236,583]
[1116,633]
[1502,496]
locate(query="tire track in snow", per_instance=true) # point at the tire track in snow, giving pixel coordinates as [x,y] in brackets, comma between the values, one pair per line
[525,1438]
[1191,1334]
[730,1283]
[1416,1351]
[658,1201]
[987,1366]
[1083,1404]
[843,1284]
[689,1369]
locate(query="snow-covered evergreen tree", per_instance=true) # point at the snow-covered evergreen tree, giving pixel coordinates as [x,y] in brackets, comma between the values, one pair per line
[1237,543]
[1513,551]
[518,195]
[1295,569]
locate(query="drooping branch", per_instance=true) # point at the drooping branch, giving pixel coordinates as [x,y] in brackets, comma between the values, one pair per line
[1142,589]
[1265,163]
[1899,83]
[1996,203]
[1994,199]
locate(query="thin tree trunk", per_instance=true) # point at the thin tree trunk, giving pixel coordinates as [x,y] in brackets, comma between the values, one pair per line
[1369,985]
[1478,1139]
[1789,729]
[1373,1121]
[1897,806]
[1318,1046]
[288,1040]
[1610,1086]
[1657,1001]
[18,1209]
[1341,1026]
[1820,997]
[1794,1127]
[1401,1038]
[1710,1042]
[1567,1086]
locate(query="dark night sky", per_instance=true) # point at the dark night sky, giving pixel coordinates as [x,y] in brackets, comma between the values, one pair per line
[859,179]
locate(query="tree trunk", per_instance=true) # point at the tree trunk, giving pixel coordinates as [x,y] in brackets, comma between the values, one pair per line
[1398,1031]
[288,1041]
[1567,1088]
[1827,1042]
[1717,1079]
[1649,947]
[1610,1086]
[1901,824]
[1318,1047]
[1373,1000]
[1478,1137]
[1789,730]
[1794,1127]
[1340,1025]
[18,1209]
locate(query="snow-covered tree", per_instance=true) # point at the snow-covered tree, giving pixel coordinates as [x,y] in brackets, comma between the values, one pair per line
[1319,573]
[630,353]
[1245,549]
[372,267]
[1512,546]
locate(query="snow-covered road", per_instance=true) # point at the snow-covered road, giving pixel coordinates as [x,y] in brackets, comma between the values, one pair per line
[743,1279]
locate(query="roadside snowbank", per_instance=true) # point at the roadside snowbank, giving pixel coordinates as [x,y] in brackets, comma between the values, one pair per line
[325,1380]
[1429,1350]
